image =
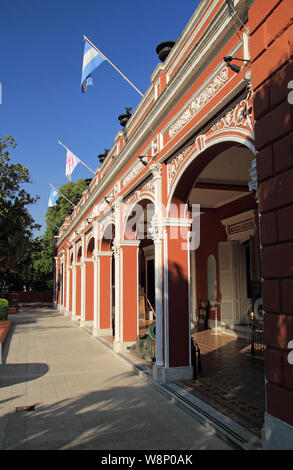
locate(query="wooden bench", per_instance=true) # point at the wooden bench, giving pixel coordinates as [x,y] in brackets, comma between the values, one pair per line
[5,326]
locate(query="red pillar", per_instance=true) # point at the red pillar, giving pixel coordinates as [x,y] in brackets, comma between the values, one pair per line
[176,338]
[128,311]
[70,289]
[105,290]
[89,291]
[78,290]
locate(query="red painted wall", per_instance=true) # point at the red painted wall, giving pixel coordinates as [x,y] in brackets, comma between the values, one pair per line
[211,233]
[89,298]
[271,43]
[78,290]
[178,301]
[105,291]
[70,290]
[130,296]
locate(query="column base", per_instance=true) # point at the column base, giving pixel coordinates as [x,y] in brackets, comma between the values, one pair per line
[104,332]
[86,323]
[118,346]
[165,375]
[276,434]
[75,317]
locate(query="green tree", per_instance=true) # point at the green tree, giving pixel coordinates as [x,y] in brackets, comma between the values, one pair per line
[16,224]
[43,258]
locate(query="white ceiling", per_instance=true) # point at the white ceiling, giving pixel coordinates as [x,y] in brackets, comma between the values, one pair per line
[230,167]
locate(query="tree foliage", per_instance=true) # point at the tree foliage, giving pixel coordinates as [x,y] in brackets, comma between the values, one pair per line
[16,224]
[26,261]
[44,262]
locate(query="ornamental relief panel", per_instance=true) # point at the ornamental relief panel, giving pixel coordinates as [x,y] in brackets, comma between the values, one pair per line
[135,170]
[199,101]
[175,165]
[240,116]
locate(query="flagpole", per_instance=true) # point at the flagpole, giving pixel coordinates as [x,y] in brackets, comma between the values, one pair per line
[125,78]
[78,157]
[62,195]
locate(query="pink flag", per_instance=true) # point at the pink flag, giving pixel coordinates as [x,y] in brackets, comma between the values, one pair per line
[71,162]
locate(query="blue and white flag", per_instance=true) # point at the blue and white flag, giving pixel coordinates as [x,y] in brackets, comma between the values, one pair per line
[91,60]
[53,198]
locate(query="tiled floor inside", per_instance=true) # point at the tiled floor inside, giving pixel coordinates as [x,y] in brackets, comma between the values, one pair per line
[232,380]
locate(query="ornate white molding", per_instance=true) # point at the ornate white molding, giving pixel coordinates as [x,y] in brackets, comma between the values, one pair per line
[156,229]
[156,169]
[199,101]
[116,249]
[253,183]
[240,226]
[175,165]
[239,116]
[134,171]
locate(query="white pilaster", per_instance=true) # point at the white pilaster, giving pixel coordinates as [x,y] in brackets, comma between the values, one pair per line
[156,169]
[83,291]
[67,281]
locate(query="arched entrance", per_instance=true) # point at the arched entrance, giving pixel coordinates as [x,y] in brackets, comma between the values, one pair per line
[136,258]
[224,277]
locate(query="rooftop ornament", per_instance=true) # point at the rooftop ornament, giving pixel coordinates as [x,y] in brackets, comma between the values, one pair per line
[163,49]
[123,118]
[102,156]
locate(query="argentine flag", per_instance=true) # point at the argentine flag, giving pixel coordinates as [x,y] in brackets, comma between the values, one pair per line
[53,198]
[91,60]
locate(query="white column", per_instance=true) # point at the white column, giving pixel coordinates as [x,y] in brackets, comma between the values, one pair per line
[73,290]
[116,251]
[96,231]
[74,284]
[83,291]
[156,169]
[55,281]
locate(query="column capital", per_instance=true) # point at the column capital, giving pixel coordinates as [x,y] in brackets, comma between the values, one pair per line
[156,169]
[116,249]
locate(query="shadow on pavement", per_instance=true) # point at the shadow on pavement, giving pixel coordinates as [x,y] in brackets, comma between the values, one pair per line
[11,374]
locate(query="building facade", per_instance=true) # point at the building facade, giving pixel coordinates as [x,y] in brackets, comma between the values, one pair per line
[193,203]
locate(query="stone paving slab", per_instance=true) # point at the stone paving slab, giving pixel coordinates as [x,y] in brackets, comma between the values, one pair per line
[84,397]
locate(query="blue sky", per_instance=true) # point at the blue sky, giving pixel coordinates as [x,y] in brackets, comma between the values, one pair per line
[41,50]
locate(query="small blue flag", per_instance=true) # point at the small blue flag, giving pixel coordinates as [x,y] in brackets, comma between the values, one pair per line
[53,198]
[91,60]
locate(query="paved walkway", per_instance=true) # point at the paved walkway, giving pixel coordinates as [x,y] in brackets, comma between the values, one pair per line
[84,396]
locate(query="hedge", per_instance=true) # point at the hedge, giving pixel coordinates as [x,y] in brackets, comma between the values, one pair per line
[3,309]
